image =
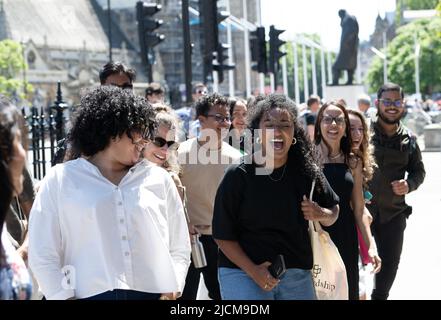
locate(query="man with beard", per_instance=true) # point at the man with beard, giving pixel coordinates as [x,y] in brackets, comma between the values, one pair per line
[397,153]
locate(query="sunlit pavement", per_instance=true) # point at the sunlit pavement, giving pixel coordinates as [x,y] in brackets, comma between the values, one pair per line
[417,276]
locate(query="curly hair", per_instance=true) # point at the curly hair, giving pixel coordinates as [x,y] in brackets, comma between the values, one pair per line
[366,150]
[107,112]
[302,154]
[346,141]
[205,103]
[10,122]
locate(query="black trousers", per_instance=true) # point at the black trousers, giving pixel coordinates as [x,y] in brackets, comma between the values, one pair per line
[389,238]
[209,272]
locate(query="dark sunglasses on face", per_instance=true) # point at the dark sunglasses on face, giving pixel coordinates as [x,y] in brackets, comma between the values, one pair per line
[390,103]
[160,142]
[219,118]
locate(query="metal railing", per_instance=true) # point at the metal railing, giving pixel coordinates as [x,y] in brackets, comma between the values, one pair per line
[46,129]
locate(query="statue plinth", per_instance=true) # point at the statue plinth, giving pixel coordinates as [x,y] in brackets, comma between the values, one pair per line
[349,93]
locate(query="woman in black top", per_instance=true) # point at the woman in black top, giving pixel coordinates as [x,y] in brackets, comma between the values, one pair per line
[261,209]
[344,172]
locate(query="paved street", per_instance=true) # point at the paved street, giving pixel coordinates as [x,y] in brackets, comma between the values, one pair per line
[421,259]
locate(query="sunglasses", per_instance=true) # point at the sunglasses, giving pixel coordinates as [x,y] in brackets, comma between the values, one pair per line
[219,118]
[160,142]
[390,103]
[329,120]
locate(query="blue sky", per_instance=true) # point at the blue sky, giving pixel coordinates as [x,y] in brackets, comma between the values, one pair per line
[321,17]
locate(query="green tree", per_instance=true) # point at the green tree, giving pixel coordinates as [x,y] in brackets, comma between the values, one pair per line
[420,4]
[401,58]
[413,5]
[11,66]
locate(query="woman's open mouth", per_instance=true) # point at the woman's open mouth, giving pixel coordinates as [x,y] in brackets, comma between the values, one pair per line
[277,144]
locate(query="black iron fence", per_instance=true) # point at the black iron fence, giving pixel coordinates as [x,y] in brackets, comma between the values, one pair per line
[46,127]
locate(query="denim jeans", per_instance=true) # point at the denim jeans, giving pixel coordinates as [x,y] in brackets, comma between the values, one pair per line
[235,284]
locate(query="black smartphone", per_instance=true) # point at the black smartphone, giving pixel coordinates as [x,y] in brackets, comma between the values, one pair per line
[277,268]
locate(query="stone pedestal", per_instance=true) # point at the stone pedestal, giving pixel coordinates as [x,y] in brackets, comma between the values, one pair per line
[432,137]
[349,93]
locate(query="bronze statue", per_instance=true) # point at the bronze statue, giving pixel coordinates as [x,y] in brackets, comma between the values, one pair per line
[347,57]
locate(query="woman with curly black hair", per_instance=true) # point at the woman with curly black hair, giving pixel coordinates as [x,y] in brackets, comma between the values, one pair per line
[14,278]
[262,211]
[114,226]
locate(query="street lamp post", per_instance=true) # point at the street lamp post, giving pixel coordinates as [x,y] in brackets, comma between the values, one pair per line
[382,56]
[417,66]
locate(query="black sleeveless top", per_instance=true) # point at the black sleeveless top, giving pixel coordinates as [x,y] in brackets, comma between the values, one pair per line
[343,232]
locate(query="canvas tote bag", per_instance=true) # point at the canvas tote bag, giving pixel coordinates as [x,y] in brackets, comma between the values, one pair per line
[328,271]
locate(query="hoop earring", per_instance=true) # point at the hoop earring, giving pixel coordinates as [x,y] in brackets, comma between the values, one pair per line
[294,141]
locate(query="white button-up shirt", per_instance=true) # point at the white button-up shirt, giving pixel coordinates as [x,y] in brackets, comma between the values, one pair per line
[88,236]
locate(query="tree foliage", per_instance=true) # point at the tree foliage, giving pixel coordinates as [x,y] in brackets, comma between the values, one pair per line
[401,58]
[420,4]
[11,66]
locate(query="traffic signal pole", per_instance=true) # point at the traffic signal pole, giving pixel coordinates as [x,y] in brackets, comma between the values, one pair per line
[187,50]
[275,54]
[148,37]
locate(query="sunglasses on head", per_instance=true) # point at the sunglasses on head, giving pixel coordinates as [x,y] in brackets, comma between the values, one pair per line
[160,142]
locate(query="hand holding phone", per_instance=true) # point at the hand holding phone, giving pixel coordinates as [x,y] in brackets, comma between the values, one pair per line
[277,268]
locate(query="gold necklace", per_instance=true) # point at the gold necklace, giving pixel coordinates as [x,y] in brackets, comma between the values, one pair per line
[283,173]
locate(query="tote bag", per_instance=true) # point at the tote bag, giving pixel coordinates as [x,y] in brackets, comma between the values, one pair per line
[328,271]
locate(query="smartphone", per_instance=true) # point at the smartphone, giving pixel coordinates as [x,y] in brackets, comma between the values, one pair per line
[277,268]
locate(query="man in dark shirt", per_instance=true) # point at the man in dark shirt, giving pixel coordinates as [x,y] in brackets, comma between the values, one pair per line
[396,153]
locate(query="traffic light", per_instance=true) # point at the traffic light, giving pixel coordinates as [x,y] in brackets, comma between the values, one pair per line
[275,54]
[221,64]
[215,57]
[258,50]
[148,37]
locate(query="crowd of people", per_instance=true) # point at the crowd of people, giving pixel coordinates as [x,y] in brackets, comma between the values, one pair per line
[136,182]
